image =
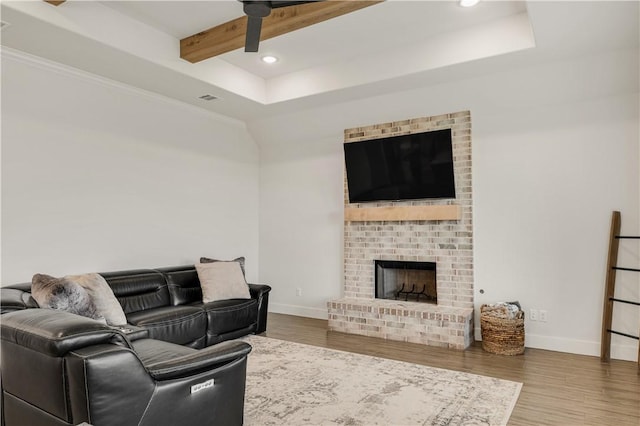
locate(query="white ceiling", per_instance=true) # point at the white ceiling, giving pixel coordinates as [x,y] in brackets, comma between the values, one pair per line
[375,50]
[374,29]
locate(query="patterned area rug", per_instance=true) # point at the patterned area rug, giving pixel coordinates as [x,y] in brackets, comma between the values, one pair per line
[294,384]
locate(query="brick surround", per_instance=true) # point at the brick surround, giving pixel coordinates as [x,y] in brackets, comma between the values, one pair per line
[449,243]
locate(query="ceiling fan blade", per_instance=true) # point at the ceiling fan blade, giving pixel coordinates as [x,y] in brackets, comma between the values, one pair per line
[252,38]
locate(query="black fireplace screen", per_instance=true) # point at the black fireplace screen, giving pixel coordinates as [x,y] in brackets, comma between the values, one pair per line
[408,281]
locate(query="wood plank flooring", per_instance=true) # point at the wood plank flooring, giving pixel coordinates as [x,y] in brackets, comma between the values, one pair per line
[558,388]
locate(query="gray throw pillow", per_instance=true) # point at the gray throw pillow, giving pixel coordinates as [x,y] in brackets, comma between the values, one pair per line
[222,281]
[240,260]
[63,294]
[102,295]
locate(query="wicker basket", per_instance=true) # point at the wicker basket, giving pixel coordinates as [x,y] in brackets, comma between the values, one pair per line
[502,336]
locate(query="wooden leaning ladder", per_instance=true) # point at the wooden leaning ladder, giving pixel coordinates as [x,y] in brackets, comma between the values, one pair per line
[610,288]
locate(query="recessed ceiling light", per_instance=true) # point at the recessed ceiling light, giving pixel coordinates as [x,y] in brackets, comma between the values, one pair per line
[269,59]
[468,3]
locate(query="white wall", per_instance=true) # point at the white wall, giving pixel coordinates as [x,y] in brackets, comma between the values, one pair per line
[301,224]
[555,150]
[97,176]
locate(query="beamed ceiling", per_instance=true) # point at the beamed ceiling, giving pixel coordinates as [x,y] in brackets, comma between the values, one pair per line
[328,52]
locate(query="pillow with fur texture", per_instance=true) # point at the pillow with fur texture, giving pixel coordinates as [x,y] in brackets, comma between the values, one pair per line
[222,281]
[240,260]
[106,303]
[63,294]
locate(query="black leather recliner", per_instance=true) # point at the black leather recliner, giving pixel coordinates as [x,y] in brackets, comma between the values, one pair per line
[63,369]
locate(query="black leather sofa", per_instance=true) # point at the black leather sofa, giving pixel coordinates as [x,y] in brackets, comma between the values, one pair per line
[63,369]
[167,302]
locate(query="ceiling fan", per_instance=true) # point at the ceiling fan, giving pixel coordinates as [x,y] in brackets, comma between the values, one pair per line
[260,22]
[255,11]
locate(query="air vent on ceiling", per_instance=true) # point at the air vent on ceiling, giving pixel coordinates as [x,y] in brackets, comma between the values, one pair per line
[3,25]
[208,97]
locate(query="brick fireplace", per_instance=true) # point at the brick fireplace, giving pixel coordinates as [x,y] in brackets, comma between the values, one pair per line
[445,318]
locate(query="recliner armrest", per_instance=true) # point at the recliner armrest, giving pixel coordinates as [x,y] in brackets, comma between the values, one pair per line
[260,292]
[169,366]
[56,332]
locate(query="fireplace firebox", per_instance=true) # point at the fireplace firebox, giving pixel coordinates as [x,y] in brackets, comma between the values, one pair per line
[408,281]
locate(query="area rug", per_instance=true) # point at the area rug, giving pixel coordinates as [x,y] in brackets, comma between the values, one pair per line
[294,384]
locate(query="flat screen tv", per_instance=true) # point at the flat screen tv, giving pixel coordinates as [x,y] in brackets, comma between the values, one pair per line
[406,167]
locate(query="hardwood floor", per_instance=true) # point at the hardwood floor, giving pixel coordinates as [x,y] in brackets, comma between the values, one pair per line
[558,388]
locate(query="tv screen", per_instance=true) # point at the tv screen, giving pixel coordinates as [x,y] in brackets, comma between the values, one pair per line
[405,167]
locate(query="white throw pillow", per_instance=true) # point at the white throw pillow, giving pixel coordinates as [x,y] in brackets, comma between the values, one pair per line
[106,303]
[222,281]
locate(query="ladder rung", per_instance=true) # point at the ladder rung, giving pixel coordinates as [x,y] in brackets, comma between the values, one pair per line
[627,237]
[624,334]
[625,301]
[625,269]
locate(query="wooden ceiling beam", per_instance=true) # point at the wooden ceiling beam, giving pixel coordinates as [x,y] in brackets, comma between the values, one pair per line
[231,35]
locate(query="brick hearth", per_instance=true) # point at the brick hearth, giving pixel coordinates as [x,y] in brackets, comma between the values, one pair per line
[449,243]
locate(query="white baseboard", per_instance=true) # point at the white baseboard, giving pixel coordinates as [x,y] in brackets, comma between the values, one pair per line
[300,311]
[574,346]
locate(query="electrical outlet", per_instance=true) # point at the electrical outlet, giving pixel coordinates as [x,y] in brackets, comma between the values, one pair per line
[533,314]
[543,316]
[298,291]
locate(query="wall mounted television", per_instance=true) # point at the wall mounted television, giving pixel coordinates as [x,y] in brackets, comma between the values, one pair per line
[405,167]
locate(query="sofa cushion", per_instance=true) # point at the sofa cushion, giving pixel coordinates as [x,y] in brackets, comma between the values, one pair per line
[14,299]
[63,294]
[224,316]
[184,286]
[138,290]
[176,324]
[222,281]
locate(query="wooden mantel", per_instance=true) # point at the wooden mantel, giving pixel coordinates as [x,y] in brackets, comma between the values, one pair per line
[372,214]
